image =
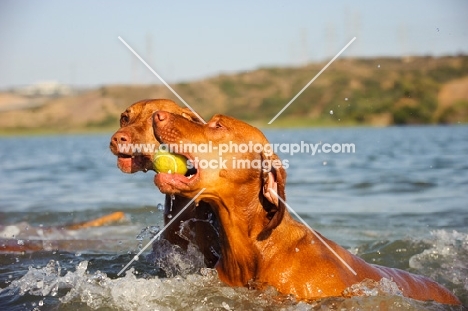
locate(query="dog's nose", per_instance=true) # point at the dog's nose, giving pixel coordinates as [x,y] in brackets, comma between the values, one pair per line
[121,137]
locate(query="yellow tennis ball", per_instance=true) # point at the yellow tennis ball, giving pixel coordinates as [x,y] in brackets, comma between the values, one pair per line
[165,162]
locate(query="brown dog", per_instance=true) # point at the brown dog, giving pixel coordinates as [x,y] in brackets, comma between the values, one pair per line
[260,241]
[136,128]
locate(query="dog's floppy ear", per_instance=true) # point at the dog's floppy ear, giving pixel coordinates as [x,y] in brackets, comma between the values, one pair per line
[273,186]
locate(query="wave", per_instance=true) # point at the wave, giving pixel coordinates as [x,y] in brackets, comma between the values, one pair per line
[91,284]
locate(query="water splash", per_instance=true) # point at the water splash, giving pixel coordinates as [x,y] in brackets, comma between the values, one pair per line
[172,202]
[173,260]
[446,260]
[191,286]
[198,291]
[39,282]
[373,288]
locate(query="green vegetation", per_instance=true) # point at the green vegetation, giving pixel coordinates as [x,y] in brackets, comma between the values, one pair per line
[458,111]
[381,91]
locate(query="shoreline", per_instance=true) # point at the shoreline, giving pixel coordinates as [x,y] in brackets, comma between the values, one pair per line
[300,124]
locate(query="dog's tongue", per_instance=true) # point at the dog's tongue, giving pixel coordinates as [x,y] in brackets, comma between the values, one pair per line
[132,164]
[125,164]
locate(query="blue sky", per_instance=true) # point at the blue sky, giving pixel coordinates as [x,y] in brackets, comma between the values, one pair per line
[75,42]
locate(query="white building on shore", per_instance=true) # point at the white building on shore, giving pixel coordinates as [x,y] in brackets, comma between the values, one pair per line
[45,88]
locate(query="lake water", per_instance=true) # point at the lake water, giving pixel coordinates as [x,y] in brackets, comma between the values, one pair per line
[400,200]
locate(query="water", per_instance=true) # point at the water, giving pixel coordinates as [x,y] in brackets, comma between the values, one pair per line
[400,200]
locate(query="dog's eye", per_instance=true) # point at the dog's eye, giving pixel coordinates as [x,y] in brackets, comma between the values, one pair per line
[215,124]
[124,119]
[192,117]
[218,125]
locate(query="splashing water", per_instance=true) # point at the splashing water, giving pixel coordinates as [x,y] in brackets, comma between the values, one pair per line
[147,232]
[446,261]
[189,285]
[201,291]
[172,202]
[174,261]
[171,205]
[372,288]
[42,281]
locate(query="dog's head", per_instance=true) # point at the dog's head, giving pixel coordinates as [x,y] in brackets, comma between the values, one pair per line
[134,143]
[233,162]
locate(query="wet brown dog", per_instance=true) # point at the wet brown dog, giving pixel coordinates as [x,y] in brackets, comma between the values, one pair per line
[136,128]
[260,241]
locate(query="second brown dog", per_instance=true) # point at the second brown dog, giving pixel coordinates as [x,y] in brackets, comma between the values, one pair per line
[136,129]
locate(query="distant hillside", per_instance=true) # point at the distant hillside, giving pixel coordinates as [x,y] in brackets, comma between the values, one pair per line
[380,91]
